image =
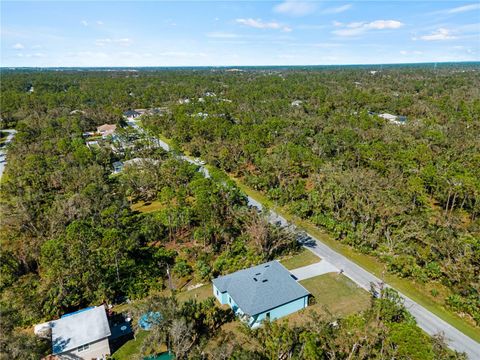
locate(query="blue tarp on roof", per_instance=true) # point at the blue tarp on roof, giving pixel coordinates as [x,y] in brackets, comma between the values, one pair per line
[77,312]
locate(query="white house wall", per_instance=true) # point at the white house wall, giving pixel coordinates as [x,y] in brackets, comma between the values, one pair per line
[97,350]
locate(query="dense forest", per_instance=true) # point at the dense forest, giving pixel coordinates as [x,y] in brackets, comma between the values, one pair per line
[311,140]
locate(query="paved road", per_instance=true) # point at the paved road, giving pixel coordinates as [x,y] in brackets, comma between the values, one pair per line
[3,151]
[426,320]
[309,271]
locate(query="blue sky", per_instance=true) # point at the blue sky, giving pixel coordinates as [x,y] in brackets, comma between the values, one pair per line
[181,33]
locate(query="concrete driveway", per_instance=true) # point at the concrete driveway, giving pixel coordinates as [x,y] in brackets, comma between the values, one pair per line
[312,270]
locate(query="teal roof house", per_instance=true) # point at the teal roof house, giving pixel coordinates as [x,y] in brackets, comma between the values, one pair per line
[263,292]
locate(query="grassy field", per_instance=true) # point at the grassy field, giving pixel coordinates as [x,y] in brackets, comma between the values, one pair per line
[200,293]
[304,258]
[336,293]
[147,207]
[131,347]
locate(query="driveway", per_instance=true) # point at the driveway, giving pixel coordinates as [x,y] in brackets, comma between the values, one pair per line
[319,268]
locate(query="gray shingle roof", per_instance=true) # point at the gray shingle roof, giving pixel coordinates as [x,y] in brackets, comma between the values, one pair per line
[261,288]
[77,329]
[131,113]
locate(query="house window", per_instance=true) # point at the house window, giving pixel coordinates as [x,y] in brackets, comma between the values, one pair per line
[83,347]
[230,300]
[217,293]
[267,316]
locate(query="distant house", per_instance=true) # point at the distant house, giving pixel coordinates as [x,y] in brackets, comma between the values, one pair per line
[79,335]
[395,119]
[159,110]
[117,167]
[140,162]
[141,111]
[131,114]
[106,129]
[92,144]
[264,292]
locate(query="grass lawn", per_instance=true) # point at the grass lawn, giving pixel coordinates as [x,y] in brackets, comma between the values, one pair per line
[201,293]
[147,207]
[303,258]
[337,293]
[131,347]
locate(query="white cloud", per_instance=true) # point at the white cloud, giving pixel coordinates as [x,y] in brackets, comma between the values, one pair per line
[440,34]
[107,41]
[18,46]
[84,22]
[338,9]
[99,22]
[295,8]
[357,28]
[384,24]
[222,35]
[414,52]
[259,24]
[34,55]
[462,9]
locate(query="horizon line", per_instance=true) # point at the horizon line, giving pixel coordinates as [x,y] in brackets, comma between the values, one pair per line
[236,66]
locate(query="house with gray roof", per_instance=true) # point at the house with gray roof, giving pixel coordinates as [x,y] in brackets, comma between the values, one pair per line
[263,292]
[131,114]
[81,335]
